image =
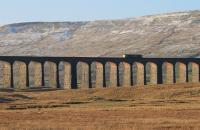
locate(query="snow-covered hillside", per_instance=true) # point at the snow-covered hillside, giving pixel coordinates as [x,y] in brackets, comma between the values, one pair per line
[163,35]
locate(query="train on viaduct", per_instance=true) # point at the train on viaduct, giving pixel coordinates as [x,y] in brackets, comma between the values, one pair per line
[21,72]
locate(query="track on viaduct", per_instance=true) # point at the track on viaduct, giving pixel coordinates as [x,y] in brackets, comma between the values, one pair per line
[22,72]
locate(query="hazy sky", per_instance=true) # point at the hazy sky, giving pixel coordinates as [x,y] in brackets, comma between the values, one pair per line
[12,11]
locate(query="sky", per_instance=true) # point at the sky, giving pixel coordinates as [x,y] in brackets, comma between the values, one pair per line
[15,11]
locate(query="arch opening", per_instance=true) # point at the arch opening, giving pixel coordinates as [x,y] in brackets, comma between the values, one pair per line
[167,73]
[65,75]
[19,75]
[50,78]
[193,72]
[180,72]
[82,75]
[138,73]
[5,74]
[151,73]
[96,75]
[35,74]
[111,74]
[124,74]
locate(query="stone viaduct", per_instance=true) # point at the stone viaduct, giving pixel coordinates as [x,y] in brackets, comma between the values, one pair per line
[21,72]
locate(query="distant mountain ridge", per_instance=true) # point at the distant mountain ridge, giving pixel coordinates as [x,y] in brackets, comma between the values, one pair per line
[163,35]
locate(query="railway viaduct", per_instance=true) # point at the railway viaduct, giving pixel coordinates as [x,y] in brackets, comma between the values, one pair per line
[22,72]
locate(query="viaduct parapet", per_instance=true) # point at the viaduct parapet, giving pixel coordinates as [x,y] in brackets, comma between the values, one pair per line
[21,72]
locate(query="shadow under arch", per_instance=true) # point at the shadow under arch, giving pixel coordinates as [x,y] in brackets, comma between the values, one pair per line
[35,74]
[5,74]
[65,75]
[50,78]
[111,74]
[124,74]
[82,75]
[96,75]
[19,75]
[138,73]
[193,72]
[151,73]
[180,72]
[167,73]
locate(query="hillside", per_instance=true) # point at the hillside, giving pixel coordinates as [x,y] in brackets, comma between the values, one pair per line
[154,108]
[163,35]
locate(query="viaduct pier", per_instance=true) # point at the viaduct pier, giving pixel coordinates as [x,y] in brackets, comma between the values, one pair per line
[21,72]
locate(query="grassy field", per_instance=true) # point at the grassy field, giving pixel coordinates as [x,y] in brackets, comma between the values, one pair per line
[160,107]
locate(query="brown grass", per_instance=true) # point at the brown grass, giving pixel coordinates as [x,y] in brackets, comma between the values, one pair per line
[160,107]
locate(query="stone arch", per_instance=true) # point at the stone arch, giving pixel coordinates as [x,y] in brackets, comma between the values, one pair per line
[151,73]
[50,78]
[35,74]
[138,73]
[180,72]
[82,75]
[111,74]
[167,73]
[124,74]
[19,75]
[193,72]
[5,74]
[96,75]
[65,75]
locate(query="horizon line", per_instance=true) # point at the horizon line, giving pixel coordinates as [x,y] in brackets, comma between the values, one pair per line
[105,19]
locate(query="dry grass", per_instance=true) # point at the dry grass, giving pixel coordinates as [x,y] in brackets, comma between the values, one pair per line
[152,107]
